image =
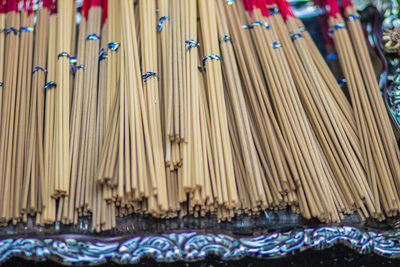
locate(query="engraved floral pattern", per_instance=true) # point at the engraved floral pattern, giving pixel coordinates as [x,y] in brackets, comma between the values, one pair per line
[191,246]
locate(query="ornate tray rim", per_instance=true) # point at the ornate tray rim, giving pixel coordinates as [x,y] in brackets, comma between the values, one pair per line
[194,246]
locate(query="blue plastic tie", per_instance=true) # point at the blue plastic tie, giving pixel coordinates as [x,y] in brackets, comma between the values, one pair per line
[92,37]
[77,68]
[149,74]
[354,16]
[162,19]
[113,46]
[26,29]
[276,45]
[214,57]
[191,44]
[50,84]
[337,26]
[295,36]
[73,60]
[63,54]
[11,29]
[37,68]
[226,38]
[102,54]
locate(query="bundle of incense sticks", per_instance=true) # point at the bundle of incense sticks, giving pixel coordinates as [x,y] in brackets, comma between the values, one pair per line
[333,129]
[2,46]
[379,149]
[198,108]
[48,215]
[274,153]
[8,106]
[34,157]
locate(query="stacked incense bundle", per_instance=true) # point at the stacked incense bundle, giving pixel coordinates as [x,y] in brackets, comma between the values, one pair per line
[62,99]
[7,152]
[371,84]
[49,213]
[261,191]
[380,153]
[270,142]
[317,178]
[34,157]
[226,189]
[104,215]
[2,46]
[333,129]
[27,187]
[148,39]
[75,199]
[172,108]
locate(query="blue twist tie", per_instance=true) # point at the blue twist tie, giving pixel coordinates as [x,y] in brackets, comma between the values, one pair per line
[337,26]
[63,54]
[50,84]
[276,45]
[37,68]
[192,43]
[148,75]
[77,68]
[1,84]
[162,19]
[354,16]
[341,82]
[113,46]
[295,36]
[226,38]
[92,37]
[73,60]
[26,29]
[11,29]
[332,56]
[102,54]
[273,10]
[215,57]
[255,23]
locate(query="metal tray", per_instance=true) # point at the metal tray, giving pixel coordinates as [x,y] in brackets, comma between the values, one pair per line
[273,235]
